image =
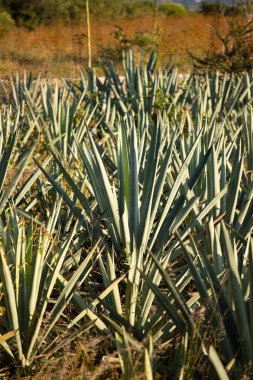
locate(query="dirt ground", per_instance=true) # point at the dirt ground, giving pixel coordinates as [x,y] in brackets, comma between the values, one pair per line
[60,50]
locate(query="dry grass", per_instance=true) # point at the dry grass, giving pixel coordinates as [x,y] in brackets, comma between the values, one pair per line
[60,50]
[88,357]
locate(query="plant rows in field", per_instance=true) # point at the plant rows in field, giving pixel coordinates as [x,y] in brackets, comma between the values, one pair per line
[126,211]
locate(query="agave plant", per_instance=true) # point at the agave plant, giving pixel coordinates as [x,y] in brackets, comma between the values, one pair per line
[32,269]
[151,237]
[154,177]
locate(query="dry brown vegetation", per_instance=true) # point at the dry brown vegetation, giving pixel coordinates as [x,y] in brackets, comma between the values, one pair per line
[61,49]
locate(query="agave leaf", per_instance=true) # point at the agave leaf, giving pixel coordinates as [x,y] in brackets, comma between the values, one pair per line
[6,157]
[10,301]
[148,367]
[180,178]
[96,301]
[7,336]
[67,292]
[13,184]
[170,309]
[240,307]
[217,364]
[59,189]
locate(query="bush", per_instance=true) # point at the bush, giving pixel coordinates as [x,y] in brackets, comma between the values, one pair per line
[67,10]
[24,13]
[121,8]
[138,8]
[172,9]
[123,43]
[208,8]
[6,22]
[144,40]
[236,53]
[30,13]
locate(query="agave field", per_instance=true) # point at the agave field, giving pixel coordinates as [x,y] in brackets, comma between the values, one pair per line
[126,216]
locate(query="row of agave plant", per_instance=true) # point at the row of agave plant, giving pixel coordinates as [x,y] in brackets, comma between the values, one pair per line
[127,209]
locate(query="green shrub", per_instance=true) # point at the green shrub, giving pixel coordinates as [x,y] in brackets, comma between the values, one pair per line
[172,9]
[25,13]
[138,8]
[68,10]
[145,41]
[6,22]
[31,13]
[207,8]
[121,8]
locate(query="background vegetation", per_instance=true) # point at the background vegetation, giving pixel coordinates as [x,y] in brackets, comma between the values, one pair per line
[30,13]
[54,34]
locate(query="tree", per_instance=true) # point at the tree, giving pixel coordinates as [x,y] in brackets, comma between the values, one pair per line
[30,13]
[236,49]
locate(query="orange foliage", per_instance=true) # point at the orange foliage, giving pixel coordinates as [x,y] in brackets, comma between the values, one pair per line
[61,49]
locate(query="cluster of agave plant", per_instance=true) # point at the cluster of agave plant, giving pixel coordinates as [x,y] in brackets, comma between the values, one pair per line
[127,208]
